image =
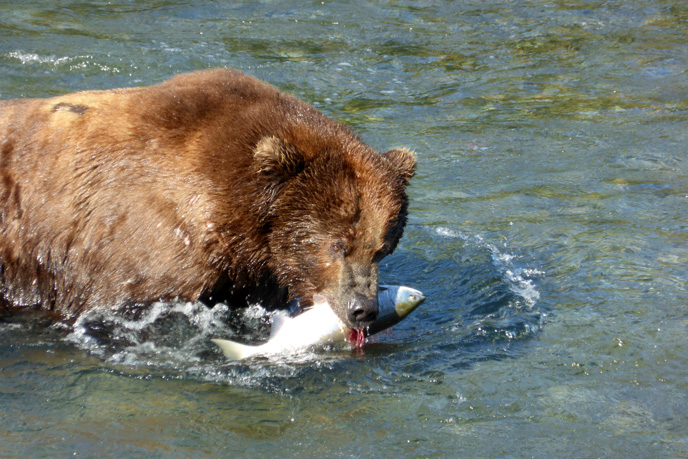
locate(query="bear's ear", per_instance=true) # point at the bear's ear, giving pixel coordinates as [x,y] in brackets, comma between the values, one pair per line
[404,161]
[277,162]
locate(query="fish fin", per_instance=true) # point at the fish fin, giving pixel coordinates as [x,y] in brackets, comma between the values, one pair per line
[233,350]
[278,321]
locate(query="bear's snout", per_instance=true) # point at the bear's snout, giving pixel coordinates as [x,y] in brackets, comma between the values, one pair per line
[362,311]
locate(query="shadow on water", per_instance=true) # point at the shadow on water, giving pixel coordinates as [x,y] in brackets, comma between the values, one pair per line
[480,305]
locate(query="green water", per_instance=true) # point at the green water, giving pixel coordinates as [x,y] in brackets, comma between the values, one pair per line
[548,229]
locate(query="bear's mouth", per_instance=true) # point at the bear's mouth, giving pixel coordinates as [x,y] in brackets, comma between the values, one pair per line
[357,337]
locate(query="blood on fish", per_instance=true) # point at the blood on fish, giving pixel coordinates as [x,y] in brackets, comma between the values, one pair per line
[357,337]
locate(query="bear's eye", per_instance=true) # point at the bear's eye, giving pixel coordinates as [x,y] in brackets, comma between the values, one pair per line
[338,248]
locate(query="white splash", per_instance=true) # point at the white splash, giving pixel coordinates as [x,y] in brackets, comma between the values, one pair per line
[518,279]
[74,62]
[141,339]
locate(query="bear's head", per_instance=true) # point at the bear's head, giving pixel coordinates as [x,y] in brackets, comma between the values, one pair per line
[332,214]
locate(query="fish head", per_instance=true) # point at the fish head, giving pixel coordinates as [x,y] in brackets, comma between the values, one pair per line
[407,299]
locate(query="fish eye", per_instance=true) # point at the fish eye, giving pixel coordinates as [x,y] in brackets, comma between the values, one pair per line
[412,297]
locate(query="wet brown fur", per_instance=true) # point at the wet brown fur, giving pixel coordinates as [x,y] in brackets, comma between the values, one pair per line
[212,185]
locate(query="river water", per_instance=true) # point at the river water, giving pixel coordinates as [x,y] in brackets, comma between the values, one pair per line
[548,229]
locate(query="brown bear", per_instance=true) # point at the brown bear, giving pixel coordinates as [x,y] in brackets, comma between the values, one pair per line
[211,186]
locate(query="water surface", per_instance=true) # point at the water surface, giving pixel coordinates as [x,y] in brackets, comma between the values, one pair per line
[548,230]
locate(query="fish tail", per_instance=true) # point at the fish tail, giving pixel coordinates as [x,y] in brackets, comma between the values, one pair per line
[233,350]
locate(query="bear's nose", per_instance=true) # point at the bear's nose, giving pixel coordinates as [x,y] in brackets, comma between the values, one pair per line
[362,311]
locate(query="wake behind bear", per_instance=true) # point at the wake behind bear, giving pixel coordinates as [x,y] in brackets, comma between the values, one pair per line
[211,186]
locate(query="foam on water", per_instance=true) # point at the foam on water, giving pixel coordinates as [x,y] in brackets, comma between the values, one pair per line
[9,327]
[497,298]
[518,279]
[71,62]
[173,340]
[164,334]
